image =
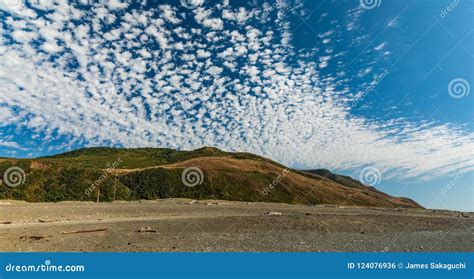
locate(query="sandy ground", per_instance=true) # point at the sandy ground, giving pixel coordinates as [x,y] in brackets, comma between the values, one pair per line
[185,225]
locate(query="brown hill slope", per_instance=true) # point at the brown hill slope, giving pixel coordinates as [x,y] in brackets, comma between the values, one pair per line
[298,187]
[150,173]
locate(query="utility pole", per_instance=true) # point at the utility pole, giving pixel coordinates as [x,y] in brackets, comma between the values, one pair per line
[115,187]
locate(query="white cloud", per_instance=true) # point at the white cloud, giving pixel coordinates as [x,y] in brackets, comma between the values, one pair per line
[237,86]
[10,144]
[380,46]
[203,16]
[51,47]
[17,8]
[116,4]
[393,22]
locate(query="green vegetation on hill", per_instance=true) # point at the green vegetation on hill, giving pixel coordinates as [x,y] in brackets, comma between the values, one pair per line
[223,185]
[151,173]
[69,176]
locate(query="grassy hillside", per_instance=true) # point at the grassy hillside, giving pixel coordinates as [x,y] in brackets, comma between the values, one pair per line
[150,173]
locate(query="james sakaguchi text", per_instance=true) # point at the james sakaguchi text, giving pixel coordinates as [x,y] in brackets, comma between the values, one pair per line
[448,266]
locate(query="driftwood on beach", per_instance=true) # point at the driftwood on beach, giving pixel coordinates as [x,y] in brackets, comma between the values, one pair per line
[85,231]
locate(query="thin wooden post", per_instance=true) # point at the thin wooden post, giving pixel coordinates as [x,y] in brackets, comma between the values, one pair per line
[98,194]
[115,188]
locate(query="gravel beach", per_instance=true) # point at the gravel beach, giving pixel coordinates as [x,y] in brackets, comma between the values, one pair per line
[211,225]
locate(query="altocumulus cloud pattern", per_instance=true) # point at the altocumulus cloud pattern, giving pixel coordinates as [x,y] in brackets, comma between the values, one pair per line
[205,74]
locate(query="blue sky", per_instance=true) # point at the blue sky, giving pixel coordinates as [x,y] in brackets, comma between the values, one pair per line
[375,89]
